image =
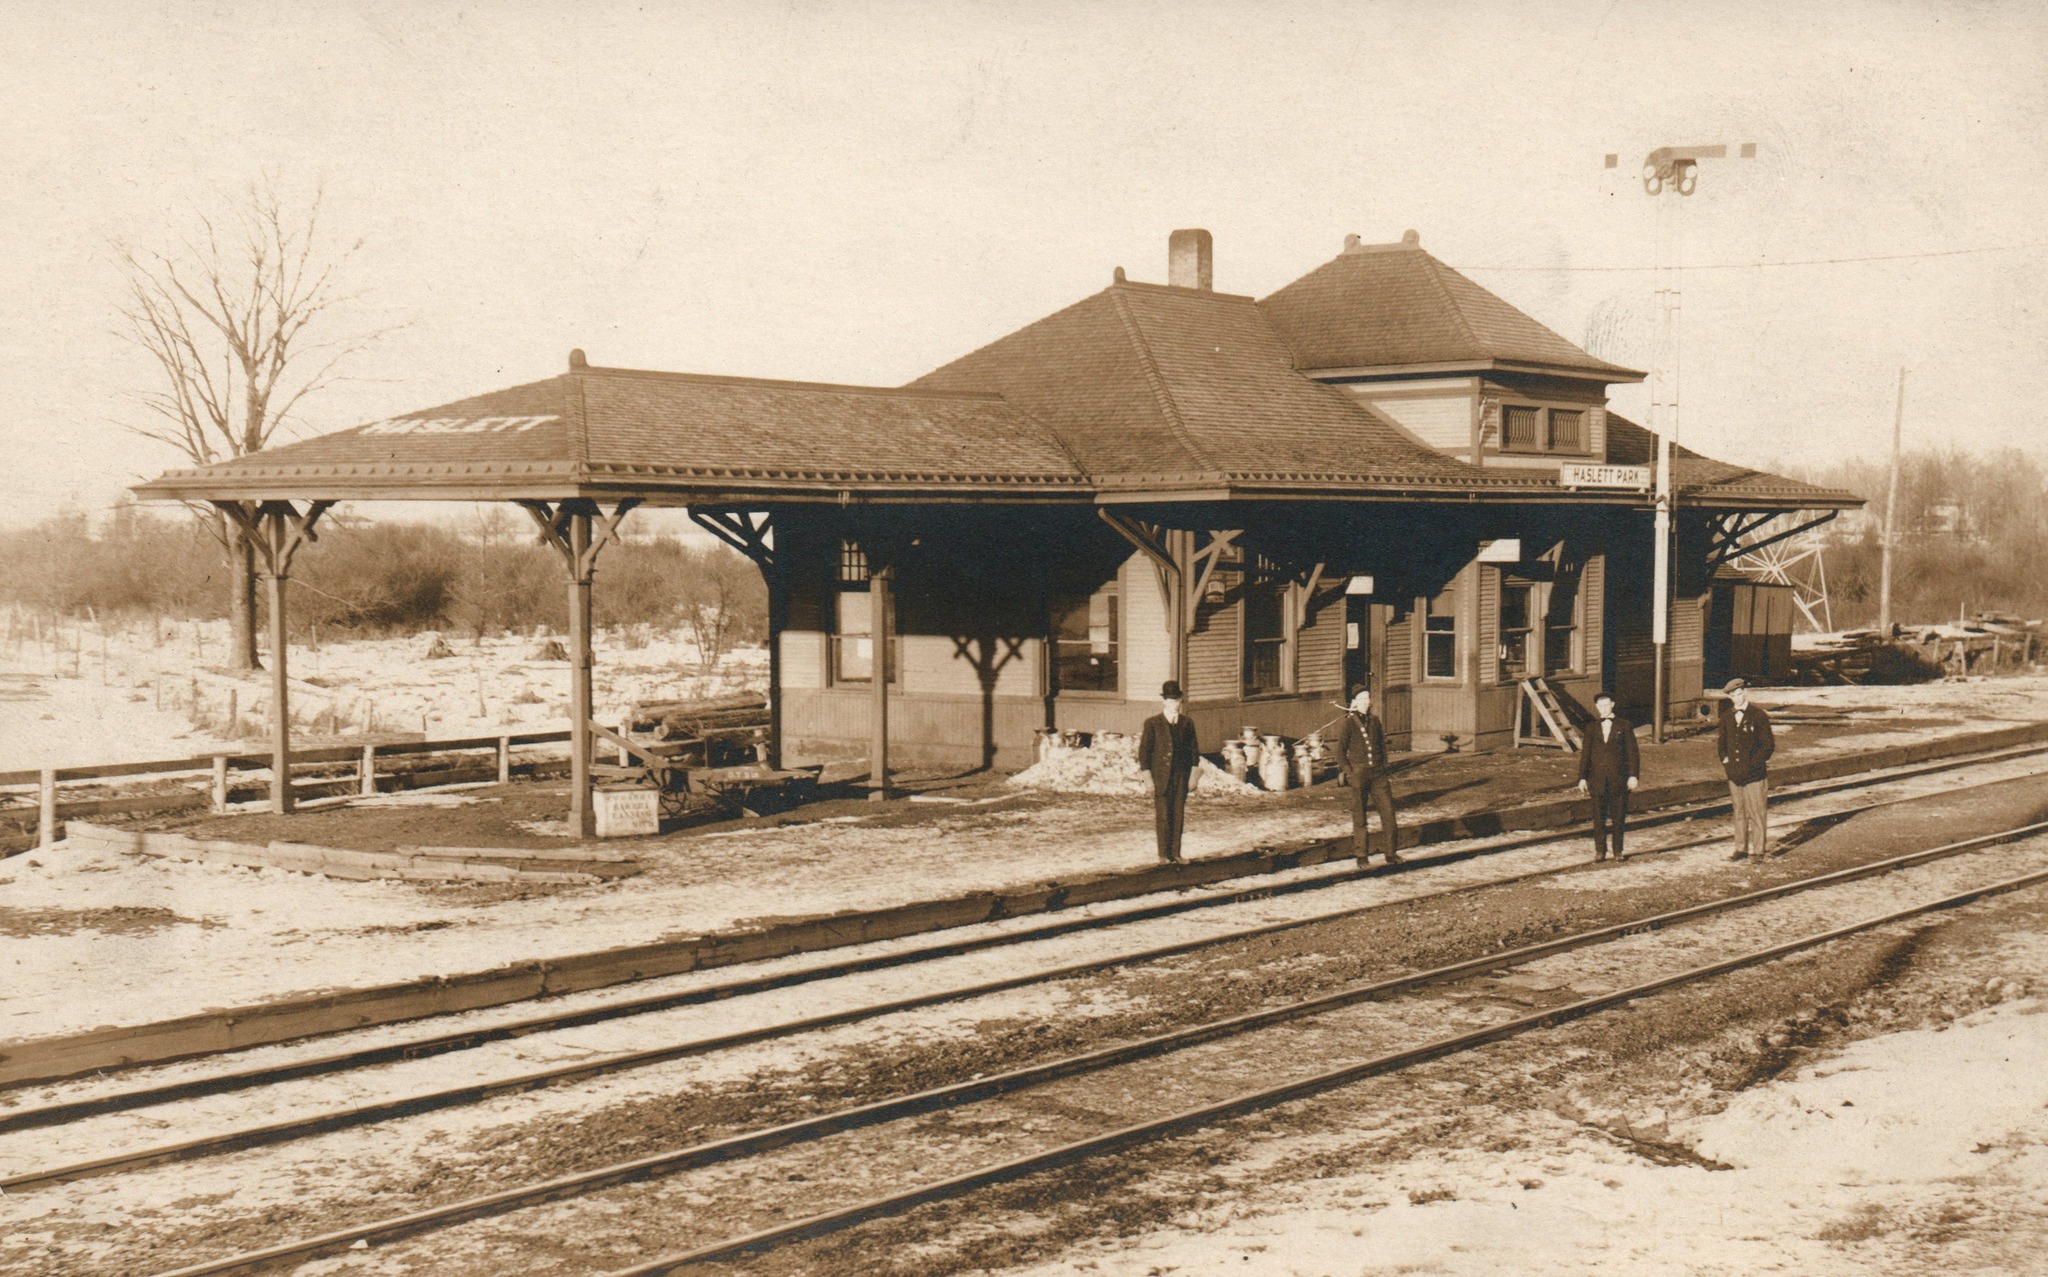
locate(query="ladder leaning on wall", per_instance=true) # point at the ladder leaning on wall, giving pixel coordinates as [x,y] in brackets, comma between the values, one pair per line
[1540,718]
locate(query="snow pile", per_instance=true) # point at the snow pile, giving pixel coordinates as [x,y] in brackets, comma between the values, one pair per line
[1116,771]
[1085,771]
[1212,781]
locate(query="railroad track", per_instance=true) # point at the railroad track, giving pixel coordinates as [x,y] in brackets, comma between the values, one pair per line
[426,1045]
[477,1090]
[941,1100]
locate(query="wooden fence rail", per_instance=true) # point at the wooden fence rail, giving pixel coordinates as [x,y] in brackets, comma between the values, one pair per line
[219,766]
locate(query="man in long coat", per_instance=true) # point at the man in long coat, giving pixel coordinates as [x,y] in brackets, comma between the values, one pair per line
[1746,746]
[1610,766]
[1362,751]
[1167,750]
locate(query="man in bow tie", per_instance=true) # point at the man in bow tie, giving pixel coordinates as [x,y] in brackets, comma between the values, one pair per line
[1610,766]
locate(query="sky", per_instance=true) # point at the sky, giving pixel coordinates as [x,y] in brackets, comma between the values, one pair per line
[858,192]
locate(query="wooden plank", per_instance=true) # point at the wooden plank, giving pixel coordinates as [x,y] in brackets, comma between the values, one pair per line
[596,855]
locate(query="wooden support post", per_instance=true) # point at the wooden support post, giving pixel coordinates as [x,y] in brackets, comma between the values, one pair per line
[220,783]
[281,800]
[275,531]
[582,809]
[577,531]
[878,670]
[366,771]
[46,808]
[504,760]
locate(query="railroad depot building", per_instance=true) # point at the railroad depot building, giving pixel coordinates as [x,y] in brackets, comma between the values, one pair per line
[1381,473]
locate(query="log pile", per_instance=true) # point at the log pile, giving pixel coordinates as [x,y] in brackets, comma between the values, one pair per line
[1919,653]
[722,729]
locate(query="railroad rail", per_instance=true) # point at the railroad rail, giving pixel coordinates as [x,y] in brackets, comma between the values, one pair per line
[53,1114]
[957,1094]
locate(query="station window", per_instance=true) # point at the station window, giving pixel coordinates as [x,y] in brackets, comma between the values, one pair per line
[1084,635]
[1521,428]
[853,621]
[1440,635]
[1514,630]
[1530,429]
[1567,431]
[1265,638]
[1561,622]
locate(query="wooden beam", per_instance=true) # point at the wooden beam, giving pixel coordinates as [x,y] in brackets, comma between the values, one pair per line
[578,531]
[1155,543]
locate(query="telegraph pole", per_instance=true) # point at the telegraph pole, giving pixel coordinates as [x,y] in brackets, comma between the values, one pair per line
[1668,170]
[1891,506]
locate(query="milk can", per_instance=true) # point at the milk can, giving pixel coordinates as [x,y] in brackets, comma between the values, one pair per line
[1273,764]
[1304,763]
[1234,760]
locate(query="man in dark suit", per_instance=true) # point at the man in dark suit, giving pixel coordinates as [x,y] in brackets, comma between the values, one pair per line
[1610,766]
[1362,750]
[1167,749]
[1746,746]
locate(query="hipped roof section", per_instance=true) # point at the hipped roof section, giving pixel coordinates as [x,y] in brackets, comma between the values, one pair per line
[1180,389]
[609,431]
[1394,306]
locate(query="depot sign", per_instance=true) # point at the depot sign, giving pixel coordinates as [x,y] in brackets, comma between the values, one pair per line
[455,425]
[1576,474]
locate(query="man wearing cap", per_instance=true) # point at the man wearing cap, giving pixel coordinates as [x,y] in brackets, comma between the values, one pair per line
[1746,747]
[1167,749]
[1610,766]
[1362,750]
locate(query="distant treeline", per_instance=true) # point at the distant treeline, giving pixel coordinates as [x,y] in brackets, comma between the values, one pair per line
[378,579]
[1972,536]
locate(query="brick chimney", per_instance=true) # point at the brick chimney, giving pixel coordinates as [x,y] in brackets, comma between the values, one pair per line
[1191,260]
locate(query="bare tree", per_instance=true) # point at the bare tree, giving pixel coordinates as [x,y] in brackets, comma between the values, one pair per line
[721,596]
[232,317]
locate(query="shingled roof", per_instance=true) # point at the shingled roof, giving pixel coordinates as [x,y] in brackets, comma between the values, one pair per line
[594,430]
[1151,386]
[1396,306]
[1703,481]
[1140,391]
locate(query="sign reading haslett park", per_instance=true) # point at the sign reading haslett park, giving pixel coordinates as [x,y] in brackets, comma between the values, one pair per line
[1575,474]
[455,425]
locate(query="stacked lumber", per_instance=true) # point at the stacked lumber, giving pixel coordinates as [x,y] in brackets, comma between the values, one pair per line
[566,866]
[708,732]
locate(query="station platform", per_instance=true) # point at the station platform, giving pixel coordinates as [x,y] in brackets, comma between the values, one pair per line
[213,956]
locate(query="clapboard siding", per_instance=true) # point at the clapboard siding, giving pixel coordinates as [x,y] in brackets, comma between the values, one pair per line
[1442,418]
[803,659]
[1147,639]
[1400,645]
[833,723]
[1319,652]
[1216,654]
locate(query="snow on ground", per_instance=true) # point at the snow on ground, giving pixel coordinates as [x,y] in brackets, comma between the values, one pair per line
[130,937]
[2019,698]
[141,693]
[1867,1162]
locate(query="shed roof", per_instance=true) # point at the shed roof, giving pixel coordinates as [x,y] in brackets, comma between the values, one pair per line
[1396,306]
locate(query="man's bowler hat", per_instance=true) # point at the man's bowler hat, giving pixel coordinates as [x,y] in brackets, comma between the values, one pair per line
[1169,691]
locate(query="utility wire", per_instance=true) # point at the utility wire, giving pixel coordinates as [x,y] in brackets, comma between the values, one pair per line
[1758,265]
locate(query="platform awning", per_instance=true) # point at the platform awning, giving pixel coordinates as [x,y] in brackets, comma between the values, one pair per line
[606,433]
